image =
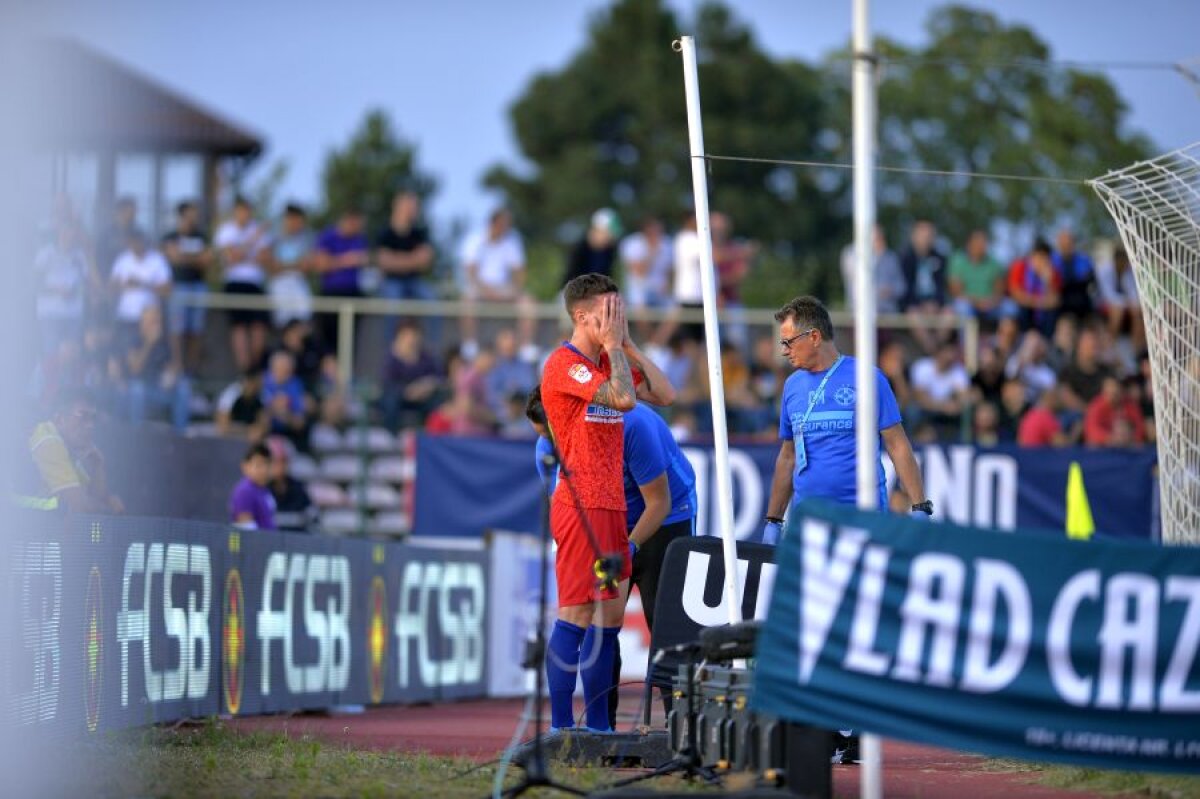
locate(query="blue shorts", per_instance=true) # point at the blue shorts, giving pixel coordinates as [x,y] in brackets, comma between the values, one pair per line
[186,318]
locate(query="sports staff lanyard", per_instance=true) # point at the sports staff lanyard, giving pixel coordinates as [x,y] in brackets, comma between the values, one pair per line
[801,452]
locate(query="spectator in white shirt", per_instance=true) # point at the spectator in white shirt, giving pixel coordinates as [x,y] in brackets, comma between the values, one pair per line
[1029,365]
[648,257]
[1119,298]
[243,244]
[688,292]
[142,278]
[495,272]
[889,278]
[63,275]
[941,387]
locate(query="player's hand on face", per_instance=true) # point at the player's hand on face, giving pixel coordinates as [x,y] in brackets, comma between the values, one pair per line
[622,321]
[612,330]
[626,340]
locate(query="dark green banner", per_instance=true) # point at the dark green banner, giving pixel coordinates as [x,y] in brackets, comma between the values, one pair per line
[1012,644]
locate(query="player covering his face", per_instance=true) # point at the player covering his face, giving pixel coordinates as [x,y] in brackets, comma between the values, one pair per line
[587,385]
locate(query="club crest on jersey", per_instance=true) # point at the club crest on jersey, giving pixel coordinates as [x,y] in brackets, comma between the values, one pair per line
[580,373]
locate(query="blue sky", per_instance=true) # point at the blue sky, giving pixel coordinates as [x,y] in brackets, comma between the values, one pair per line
[302,75]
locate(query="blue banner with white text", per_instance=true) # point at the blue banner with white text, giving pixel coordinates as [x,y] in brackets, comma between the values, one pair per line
[116,622]
[1020,645]
[468,485]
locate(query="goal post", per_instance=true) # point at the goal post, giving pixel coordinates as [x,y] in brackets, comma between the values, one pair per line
[1156,206]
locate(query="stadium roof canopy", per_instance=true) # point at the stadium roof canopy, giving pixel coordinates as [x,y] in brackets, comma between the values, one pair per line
[93,103]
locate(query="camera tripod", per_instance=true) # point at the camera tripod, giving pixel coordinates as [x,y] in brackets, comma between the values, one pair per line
[536,772]
[687,760]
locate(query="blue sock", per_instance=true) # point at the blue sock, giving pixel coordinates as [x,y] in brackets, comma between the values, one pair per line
[562,662]
[597,674]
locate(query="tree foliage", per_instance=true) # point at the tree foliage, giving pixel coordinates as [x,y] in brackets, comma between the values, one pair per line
[982,96]
[264,193]
[610,128]
[370,169]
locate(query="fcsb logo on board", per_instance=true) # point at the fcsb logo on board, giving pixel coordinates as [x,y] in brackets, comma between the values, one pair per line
[377,639]
[233,641]
[93,649]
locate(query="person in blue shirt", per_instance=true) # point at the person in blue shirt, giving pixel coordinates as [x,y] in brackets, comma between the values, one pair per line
[660,500]
[817,456]
[1078,276]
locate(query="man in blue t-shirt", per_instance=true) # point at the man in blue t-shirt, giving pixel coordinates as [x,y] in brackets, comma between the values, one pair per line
[817,426]
[818,456]
[1078,276]
[660,502]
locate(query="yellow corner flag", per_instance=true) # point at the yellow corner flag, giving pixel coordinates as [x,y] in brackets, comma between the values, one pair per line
[1079,511]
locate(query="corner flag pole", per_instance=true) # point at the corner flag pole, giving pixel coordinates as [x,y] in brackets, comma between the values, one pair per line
[866,403]
[686,45]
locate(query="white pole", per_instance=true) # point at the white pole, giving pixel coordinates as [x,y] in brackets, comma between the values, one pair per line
[866,413]
[708,284]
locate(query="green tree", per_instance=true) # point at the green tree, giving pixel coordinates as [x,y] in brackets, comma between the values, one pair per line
[368,171]
[610,129]
[264,193]
[982,96]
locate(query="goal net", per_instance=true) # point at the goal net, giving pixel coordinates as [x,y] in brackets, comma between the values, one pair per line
[1156,205]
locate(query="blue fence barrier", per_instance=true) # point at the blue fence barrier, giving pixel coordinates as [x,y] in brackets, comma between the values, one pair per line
[468,485]
[116,622]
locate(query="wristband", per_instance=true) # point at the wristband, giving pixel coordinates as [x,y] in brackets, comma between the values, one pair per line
[925,507]
[773,519]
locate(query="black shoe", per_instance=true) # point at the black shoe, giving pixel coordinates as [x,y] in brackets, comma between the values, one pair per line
[845,750]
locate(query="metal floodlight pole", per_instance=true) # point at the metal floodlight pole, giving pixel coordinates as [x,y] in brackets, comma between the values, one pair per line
[686,45]
[867,402]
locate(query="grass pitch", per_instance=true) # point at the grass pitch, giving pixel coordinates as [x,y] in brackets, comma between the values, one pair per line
[1096,782]
[210,760]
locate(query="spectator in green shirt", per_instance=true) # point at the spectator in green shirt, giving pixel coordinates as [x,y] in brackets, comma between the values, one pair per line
[977,282]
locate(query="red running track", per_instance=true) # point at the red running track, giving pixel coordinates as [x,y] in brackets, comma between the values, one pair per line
[481,729]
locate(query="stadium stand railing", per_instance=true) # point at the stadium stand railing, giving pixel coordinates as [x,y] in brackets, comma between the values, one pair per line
[361,479]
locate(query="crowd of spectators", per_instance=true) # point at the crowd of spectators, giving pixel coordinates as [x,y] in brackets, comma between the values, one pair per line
[1061,359]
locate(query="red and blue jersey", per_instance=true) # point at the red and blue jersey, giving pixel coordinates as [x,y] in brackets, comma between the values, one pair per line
[589,435]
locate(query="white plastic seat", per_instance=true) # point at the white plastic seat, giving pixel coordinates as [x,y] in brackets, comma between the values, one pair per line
[388,469]
[200,406]
[391,523]
[323,438]
[372,439]
[375,496]
[341,468]
[302,467]
[327,495]
[340,521]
